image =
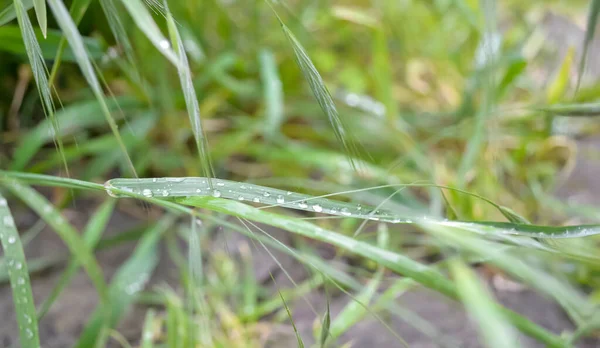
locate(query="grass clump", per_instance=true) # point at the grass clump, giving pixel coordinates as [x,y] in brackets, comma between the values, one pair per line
[436,157]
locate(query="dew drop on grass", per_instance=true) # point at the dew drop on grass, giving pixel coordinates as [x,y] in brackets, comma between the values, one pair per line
[2,202]
[256,200]
[29,333]
[8,221]
[289,193]
[164,44]
[280,199]
[21,281]
[243,187]
[345,212]
[317,208]
[216,193]
[220,184]
[198,190]
[18,265]
[27,318]
[12,240]
[266,194]
[147,193]
[303,205]
[240,198]
[165,193]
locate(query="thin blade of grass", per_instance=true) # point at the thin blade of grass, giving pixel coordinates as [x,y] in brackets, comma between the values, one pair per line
[143,19]
[127,282]
[590,31]
[582,109]
[66,232]
[10,13]
[40,13]
[326,324]
[272,93]
[494,327]
[77,10]
[91,237]
[38,67]
[189,93]
[147,340]
[19,278]
[74,39]
[321,93]
[289,314]
[558,86]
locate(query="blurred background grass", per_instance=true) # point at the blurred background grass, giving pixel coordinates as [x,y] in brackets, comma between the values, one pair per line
[458,93]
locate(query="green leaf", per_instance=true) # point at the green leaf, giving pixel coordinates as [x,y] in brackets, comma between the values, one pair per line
[494,327]
[582,109]
[590,31]
[10,13]
[19,278]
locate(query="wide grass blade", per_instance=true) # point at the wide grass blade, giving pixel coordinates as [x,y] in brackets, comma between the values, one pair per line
[66,232]
[189,93]
[38,67]
[321,93]
[493,326]
[590,31]
[65,22]
[127,282]
[272,93]
[40,13]
[19,278]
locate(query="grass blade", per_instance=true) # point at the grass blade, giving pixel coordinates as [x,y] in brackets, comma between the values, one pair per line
[66,232]
[127,282]
[40,13]
[38,67]
[75,41]
[590,31]
[19,278]
[289,314]
[189,93]
[321,93]
[148,330]
[91,237]
[272,93]
[143,19]
[493,326]
[10,13]
[557,88]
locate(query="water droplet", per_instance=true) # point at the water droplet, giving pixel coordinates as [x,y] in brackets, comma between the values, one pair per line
[12,240]
[18,265]
[243,187]
[2,202]
[8,221]
[359,207]
[164,44]
[240,198]
[27,318]
[220,184]
[29,333]
[109,189]
[256,200]
[266,194]
[216,193]
[303,205]
[345,212]
[289,193]
[165,193]
[21,281]
[198,190]
[280,199]
[153,179]
[317,208]
[147,193]
[11,263]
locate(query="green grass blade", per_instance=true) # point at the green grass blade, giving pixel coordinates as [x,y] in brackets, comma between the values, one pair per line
[143,19]
[118,30]
[582,109]
[38,67]
[75,41]
[590,31]
[127,282]
[77,10]
[289,314]
[321,93]
[189,93]
[66,232]
[326,324]
[40,13]
[19,278]
[494,328]
[10,13]
[272,93]
[148,329]
[356,309]
[91,236]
